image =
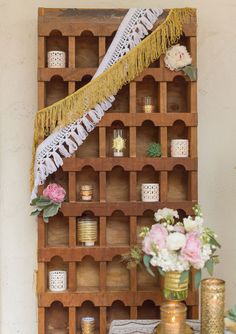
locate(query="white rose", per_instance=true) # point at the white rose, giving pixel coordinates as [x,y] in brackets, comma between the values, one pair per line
[154,261]
[191,225]
[164,213]
[175,241]
[177,57]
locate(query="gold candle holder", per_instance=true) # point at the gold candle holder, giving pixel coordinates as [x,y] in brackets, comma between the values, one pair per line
[86,192]
[212,306]
[148,106]
[87,231]
[173,317]
[88,325]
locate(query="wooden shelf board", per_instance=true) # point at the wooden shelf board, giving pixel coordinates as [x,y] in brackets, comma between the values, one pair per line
[129,164]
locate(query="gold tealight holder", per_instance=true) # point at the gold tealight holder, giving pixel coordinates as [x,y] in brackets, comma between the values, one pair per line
[86,192]
[148,106]
[212,306]
[88,325]
[87,231]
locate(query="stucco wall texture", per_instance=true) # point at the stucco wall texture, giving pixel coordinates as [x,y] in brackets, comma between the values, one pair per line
[18,104]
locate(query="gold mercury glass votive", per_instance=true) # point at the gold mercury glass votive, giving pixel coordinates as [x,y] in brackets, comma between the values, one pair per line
[173,317]
[86,192]
[88,325]
[148,106]
[87,231]
[212,306]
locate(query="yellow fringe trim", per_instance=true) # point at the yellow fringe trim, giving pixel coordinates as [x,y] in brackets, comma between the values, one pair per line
[71,108]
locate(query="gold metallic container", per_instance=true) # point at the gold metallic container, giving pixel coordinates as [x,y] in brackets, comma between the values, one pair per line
[174,289]
[87,231]
[86,192]
[173,317]
[212,306]
[88,325]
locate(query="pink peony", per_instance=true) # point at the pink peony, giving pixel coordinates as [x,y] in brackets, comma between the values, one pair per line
[192,250]
[157,236]
[147,245]
[55,192]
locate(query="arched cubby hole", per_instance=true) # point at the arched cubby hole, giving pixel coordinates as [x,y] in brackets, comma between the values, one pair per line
[59,177]
[56,42]
[117,311]
[117,188]
[87,309]
[57,263]
[145,281]
[118,229]
[118,276]
[177,131]
[147,175]
[177,184]
[147,133]
[86,50]
[148,310]
[177,95]
[109,39]
[89,215]
[121,103]
[57,231]
[87,176]
[88,274]
[109,138]
[146,220]
[56,89]
[182,214]
[147,87]
[57,319]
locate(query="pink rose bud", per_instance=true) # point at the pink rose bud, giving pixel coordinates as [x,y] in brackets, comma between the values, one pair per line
[55,193]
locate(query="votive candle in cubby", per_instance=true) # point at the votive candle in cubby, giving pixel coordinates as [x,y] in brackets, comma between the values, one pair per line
[148,106]
[179,148]
[88,325]
[212,306]
[56,59]
[86,192]
[173,317]
[87,231]
[57,280]
[118,143]
[150,192]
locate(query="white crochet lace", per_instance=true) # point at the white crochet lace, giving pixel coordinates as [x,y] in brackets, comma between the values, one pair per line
[66,141]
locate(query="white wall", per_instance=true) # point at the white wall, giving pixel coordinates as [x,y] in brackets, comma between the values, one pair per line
[217,113]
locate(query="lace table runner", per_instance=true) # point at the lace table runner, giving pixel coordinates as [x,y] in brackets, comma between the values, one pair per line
[144,326]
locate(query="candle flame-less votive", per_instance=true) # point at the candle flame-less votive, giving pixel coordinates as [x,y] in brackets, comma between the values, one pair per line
[86,192]
[212,306]
[88,325]
[173,317]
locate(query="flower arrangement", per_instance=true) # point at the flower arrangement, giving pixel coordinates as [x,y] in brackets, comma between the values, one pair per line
[177,58]
[154,150]
[50,202]
[176,246]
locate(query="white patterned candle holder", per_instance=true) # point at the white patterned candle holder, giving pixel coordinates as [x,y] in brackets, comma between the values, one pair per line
[179,148]
[56,59]
[57,280]
[150,192]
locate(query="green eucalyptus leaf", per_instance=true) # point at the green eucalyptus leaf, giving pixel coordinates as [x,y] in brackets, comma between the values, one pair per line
[34,201]
[146,261]
[51,210]
[35,212]
[46,220]
[42,201]
[184,276]
[214,242]
[197,278]
[210,266]
[190,71]
[162,273]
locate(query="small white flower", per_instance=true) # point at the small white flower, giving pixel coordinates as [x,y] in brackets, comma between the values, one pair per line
[170,228]
[154,261]
[177,57]
[165,213]
[175,241]
[192,225]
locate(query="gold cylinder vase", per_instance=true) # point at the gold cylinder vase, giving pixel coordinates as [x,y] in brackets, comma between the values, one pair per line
[87,231]
[174,288]
[212,306]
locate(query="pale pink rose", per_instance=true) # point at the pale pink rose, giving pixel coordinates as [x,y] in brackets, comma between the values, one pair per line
[55,192]
[158,234]
[179,228]
[192,250]
[147,245]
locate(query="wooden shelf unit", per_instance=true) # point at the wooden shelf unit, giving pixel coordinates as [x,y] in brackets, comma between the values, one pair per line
[99,285]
